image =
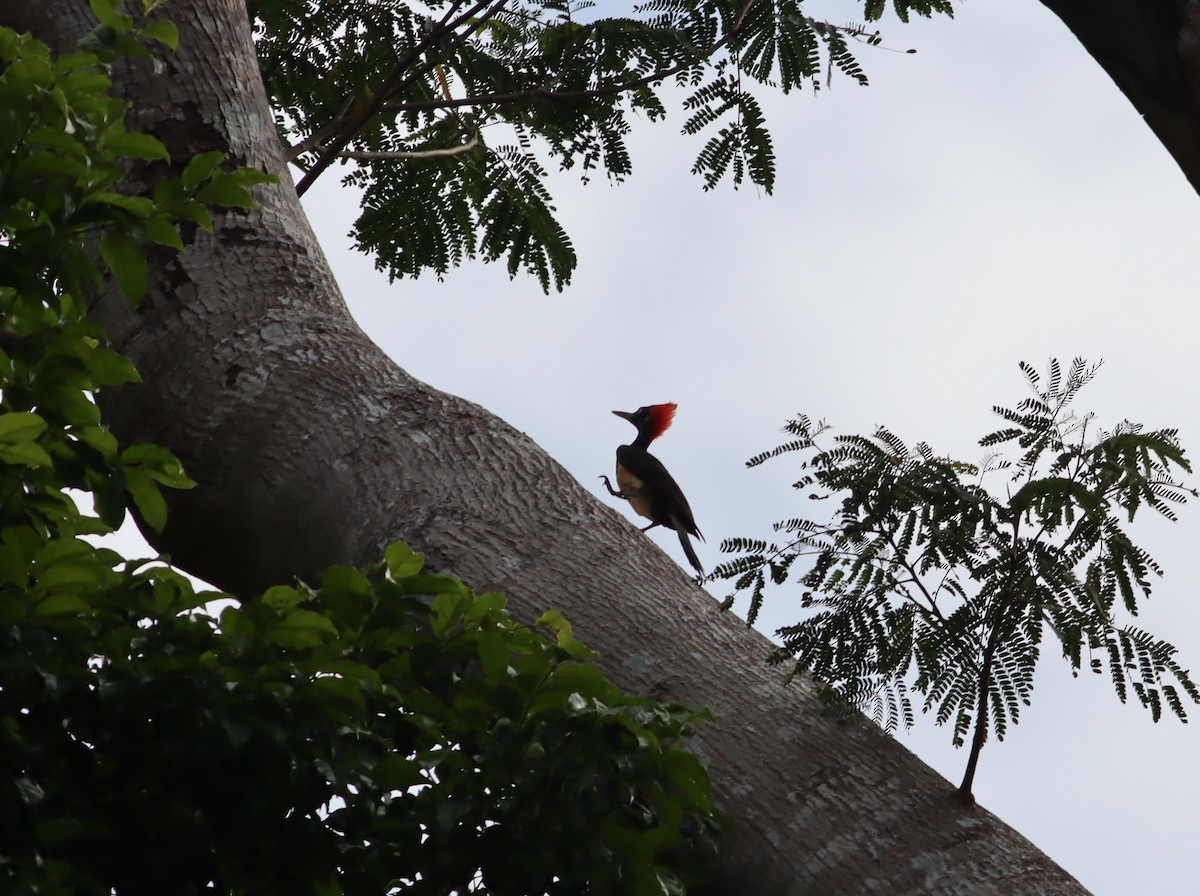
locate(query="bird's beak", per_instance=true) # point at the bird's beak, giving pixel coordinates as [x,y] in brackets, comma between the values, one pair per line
[628,415]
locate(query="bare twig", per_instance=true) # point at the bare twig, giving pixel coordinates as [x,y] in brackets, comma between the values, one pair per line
[415,154]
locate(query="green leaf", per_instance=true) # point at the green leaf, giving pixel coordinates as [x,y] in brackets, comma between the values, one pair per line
[398,773]
[163,31]
[26,454]
[148,454]
[20,426]
[582,678]
[106,12]
[562,628]
[226,191]
[488,605]
[62,605]
[342,691]
[146,495]
[164,233]
[302,628]
[18,545]
[448,609]
[281,598]
[346,579]
[109,368]
[127,261]
[72,576]
[157,463]
[197,214]
[200,168]
[108,499]
[402,561]
[493,652]
[137,145]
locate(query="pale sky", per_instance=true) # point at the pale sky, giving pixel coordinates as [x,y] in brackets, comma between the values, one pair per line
[991,199]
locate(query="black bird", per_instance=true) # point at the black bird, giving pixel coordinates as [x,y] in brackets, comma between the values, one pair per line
[645,483]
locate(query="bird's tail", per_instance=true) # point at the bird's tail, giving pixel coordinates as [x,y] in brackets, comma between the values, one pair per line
[689,550]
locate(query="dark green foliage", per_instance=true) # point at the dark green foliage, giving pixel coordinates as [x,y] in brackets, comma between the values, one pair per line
[876,8]
[389,730]
[62,141]
[451,111]
[742,146]
[923,579]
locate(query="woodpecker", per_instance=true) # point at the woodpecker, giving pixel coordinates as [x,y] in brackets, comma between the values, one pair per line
[645,483]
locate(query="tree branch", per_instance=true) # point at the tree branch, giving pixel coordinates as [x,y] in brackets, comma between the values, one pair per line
[1151,50]
[979,738]
[416,154]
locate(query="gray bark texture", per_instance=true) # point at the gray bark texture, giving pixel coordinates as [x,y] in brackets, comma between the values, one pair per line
[312,447]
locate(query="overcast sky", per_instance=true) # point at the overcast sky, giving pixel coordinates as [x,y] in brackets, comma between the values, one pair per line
[991,199]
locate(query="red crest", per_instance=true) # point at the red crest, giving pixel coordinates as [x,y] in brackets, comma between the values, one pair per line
[661,416]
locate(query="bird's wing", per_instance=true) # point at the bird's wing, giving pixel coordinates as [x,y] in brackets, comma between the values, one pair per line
[649,469]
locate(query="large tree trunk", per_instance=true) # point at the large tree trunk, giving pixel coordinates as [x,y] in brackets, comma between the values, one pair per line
[1151,50]
[311,447]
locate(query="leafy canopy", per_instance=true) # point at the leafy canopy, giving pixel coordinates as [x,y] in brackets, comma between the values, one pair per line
[451,112]
[925,580]
[389,729]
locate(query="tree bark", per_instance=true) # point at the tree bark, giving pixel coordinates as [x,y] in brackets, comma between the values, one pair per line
[311,447]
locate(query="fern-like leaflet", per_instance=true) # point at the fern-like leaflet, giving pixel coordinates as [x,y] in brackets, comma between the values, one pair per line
[924,581]
[406,92]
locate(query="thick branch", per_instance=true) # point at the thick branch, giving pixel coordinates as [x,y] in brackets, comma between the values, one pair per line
[1151,49]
